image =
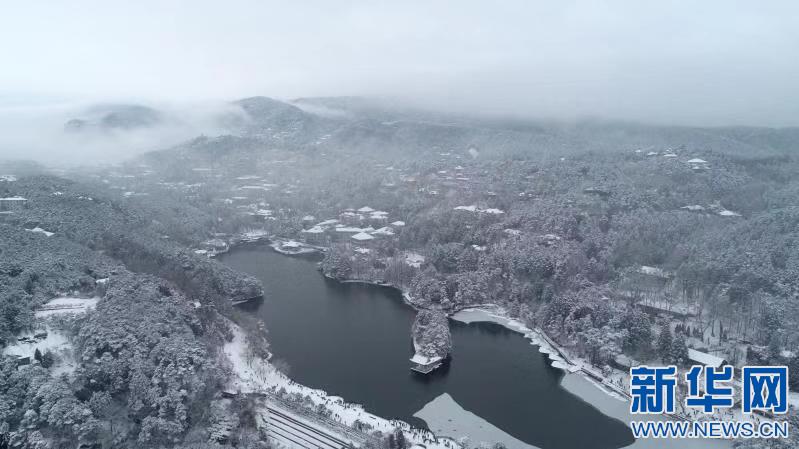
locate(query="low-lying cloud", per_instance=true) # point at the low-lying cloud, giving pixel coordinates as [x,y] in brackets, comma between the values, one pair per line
[38,132]
[714,62]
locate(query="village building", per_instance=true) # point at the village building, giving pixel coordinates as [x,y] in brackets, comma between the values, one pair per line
[316,235]
[624,362]
[703,358]
[215,246]
[653,290]
[385,231]
[345,232]
[12,203]
[363,237]
[378,217]
[350,218]
[697,164]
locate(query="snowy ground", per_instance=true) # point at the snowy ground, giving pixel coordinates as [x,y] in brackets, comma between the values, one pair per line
[55,341]
[444,416]
[256,375]
[58,306]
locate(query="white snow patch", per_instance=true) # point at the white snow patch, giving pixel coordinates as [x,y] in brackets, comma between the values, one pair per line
[55,342]
[413,259]
[39,230]
[694,207]
[362,236]
[65,305]
[444,416]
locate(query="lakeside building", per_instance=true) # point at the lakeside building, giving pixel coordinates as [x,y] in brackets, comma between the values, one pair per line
[425,365]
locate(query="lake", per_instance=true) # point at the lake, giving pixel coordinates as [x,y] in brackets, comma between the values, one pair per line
[353,340]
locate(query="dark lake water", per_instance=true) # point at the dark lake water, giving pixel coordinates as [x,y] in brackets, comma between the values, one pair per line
[353,340]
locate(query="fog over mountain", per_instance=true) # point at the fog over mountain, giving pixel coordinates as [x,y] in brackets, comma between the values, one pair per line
[81,133]
[677,62]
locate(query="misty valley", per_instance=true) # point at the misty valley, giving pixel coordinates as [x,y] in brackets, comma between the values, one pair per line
[334,272]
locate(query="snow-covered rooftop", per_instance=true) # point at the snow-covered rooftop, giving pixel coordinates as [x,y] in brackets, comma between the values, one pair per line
[398,223]
[352,229]
[693,207]
[383,231]
[696,161]
[420,359]
[414,260]
[704,358]
[330,222]
[39,230]
[366,209]
[362,236]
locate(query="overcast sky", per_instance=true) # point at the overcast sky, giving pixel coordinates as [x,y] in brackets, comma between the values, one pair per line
[703,62]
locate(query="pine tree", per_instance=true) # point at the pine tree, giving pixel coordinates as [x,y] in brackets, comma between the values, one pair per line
[679,350]
[664,343]
[399,439]
[37,355]
[47,359]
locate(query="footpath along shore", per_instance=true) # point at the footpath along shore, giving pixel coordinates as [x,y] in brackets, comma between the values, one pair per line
[585,382]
